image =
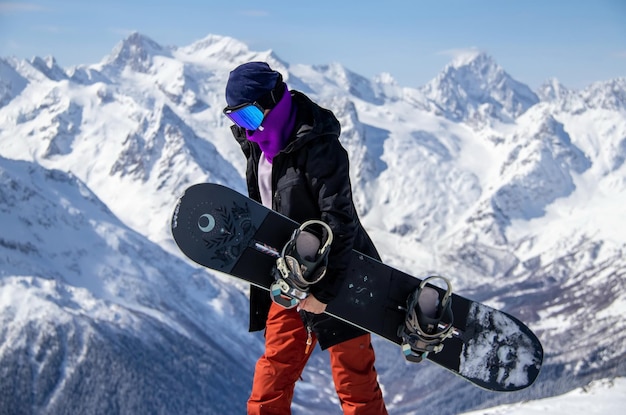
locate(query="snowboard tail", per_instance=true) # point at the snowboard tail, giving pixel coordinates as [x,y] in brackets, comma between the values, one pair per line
[226,231]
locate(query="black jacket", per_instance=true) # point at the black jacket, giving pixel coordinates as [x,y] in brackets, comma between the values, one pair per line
[310,180]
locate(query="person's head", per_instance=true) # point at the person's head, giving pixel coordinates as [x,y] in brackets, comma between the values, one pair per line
[252,90]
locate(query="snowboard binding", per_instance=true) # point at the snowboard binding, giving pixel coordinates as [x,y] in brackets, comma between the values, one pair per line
[429,321]
[302,263]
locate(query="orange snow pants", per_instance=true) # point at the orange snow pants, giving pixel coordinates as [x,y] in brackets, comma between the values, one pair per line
[286,354]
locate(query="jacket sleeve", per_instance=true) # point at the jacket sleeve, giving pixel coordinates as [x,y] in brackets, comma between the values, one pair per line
[328,175]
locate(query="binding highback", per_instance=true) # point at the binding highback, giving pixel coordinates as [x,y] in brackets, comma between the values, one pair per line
[429,320]
[302,263]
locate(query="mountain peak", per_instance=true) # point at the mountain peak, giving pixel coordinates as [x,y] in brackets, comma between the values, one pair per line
[473,85]
[552,90]
[471,57]
[473,69]
[11,82]
[222,49]
[49,67]
[215,43]
[385,78]
[136,52]
[609,94]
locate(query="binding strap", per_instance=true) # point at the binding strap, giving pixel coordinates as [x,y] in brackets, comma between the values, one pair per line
[429,320]
[302,263]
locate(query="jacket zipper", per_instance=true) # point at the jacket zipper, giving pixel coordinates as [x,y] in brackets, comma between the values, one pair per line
[275,194]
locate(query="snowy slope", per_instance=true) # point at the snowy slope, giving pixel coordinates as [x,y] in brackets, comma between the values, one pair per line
[599,397]
[515,195]
[88,306]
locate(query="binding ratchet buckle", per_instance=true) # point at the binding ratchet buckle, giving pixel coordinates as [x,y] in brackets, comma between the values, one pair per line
[429,321]
[302,263]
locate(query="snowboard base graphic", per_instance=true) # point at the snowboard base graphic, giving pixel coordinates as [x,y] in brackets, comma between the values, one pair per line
[226,231]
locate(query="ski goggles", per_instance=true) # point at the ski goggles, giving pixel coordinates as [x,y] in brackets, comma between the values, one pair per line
[250,115]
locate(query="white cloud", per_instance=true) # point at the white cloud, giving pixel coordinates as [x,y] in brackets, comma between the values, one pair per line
[13,7]
[461,53]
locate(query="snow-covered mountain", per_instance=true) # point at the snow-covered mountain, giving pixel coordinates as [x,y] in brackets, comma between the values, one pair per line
[474,88]
[97,319]
[515,195]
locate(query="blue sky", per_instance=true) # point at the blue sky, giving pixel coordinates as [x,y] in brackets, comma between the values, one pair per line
[576,41]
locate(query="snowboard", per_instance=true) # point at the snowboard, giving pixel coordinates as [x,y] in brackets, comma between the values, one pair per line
[221,229]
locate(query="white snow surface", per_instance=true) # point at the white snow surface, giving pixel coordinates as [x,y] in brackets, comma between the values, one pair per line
[604,396]
[516,196]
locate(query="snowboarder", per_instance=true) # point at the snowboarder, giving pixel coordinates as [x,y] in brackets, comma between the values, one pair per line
[297,166]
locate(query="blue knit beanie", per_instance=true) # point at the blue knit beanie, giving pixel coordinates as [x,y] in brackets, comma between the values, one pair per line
[249,82]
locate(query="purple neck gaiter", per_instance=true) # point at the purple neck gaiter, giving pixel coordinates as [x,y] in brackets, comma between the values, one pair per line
[276,128]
